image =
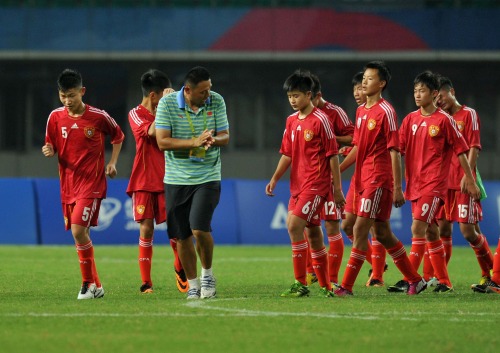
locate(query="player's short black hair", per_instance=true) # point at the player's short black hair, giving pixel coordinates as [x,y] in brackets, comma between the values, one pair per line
[384,73]
[69,79]
[357,79]
[300,80]
[445,83]
[428,79]
[154,81]
[196,75]
[316,85]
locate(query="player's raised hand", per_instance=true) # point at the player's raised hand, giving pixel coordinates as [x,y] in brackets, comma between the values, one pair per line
[168,91]
[48,150]
[111,170]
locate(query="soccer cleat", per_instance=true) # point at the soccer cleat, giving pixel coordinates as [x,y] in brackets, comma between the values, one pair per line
[342,292]
[479,288]
[182,282]
[400,287]
[311,278]
[193,294]
[417,287]
[484,279]
[442,288]
[297,289]
[87,291]
[323,292]
[208,287]
[432,282]
[492,287]
[99,292]
[146,288]
[335,286]
[373,282]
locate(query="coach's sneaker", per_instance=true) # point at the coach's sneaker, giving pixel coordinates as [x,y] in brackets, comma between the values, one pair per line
[442,288]
[417,287]
[146,288]
[99,292]
[342,292]
[432,282]
[182,282]
[400,287]
[323,292]
[297,289]
[87,291]
[208,287]
[193,294]
[311,278]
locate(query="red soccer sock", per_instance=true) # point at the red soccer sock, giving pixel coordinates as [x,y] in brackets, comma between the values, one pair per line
[448,247]
[335,254]
[496,265]
[402,262]
[369,252]
[96,276]
[378,260]
[177,261]
[86,257]
[438,259]
[320,265]
[299,257]
[145,258]
[417,252]
[356,260]
[428,269]
[309,263]
[483,254]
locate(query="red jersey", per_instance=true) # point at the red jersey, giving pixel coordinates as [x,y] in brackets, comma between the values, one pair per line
[468,124]
[309,142]
[375,134]
[342,125]
[149,162]
[429,142]
[79,144]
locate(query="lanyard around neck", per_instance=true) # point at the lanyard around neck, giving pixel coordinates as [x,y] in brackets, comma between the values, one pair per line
[188,117]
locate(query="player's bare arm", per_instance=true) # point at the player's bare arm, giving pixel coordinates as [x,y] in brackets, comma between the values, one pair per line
[344,140]
[468,184]
[338,195]
[282,167]
[48,150]
[349,160]
[398,196]
[111,166]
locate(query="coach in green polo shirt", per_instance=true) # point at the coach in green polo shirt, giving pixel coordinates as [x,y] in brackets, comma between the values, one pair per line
[191,125]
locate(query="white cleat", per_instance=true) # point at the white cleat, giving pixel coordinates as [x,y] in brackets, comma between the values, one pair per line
[208,287]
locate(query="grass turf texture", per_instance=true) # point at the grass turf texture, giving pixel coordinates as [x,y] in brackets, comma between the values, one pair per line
[39,311]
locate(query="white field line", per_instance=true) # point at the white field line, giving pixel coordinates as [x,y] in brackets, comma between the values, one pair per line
[205,308]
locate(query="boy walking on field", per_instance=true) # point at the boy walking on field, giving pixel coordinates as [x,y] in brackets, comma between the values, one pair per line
[309,147]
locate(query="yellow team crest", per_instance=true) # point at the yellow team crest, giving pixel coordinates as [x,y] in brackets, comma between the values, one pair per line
[461,125]
[308,134]
[89,131]
[140,209]
[371,124]
[433,130]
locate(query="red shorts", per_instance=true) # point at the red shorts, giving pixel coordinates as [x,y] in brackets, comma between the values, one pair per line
[149,205]
[460,207]
[308,207]
[375,203]
[351,199]
[83,212]
[330,210]
[426,208]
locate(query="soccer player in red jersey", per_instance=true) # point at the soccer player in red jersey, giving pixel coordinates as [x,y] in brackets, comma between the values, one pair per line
[76,133]
[461,207]
[309,147]
[331,214]
[376,153]
[375,252]
[428,139]
[493,284]
[146,180]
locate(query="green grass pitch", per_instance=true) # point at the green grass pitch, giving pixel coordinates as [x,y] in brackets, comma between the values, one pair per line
[39,311]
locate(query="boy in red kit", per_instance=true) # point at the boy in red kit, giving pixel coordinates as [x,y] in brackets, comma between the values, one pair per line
[76,133]
[492,285]
[146,180]
[310,148]
[428,139]
[331,214]
[376,153]
[460,207]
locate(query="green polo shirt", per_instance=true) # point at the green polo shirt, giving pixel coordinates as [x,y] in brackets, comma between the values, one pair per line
[171,115]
